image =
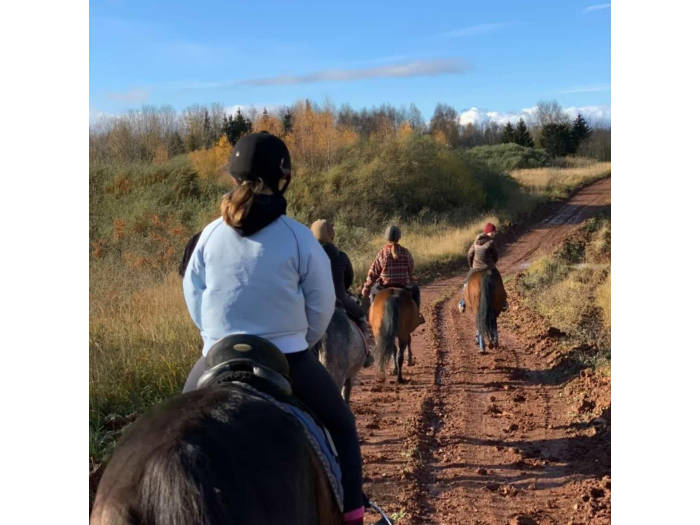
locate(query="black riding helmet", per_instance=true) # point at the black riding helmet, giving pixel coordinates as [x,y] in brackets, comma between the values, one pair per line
[261,156]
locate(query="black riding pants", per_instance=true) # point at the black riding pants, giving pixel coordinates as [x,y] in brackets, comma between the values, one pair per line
[313,385]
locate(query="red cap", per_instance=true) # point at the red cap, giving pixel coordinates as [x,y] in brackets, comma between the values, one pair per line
[489,228]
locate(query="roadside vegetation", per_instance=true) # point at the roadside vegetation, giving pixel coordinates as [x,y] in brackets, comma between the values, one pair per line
[156,178]
[571,289]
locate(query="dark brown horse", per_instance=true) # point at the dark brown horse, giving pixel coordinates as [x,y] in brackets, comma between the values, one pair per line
[393,315]
[485,297]
[217,455]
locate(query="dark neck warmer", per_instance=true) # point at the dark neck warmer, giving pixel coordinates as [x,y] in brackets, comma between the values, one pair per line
[264,210]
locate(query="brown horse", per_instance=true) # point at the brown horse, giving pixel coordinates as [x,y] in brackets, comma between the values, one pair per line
[215,456]
[393,314]
[485,297]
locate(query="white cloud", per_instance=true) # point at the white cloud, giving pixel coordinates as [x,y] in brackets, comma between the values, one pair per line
[416,68]
[596,7]
[477,116]
[133,96]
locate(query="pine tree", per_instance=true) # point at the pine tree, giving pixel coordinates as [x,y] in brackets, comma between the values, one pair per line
[522,135]
[580,131]
[508,134]
[556,139]
[287,121]
[235,127]
[208,131]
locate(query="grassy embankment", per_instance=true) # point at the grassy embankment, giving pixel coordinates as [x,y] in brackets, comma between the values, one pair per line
[571,289]
[142,341]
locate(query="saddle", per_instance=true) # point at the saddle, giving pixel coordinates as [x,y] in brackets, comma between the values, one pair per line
[249,353]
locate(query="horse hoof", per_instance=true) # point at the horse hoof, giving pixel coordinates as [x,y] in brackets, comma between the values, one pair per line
[394,372]
[401,380]
[411,362]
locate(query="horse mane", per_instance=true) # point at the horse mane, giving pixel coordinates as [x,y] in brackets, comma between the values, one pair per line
[184,463]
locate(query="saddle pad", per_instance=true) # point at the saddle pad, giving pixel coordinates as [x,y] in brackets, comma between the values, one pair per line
[319,438]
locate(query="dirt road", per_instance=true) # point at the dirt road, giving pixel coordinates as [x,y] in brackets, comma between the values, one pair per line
[510,437]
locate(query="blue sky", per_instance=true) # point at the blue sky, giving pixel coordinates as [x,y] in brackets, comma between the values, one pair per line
[497,58]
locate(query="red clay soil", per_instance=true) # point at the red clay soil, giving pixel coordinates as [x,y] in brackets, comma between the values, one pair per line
[511,437]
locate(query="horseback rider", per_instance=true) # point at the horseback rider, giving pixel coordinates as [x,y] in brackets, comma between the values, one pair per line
[256,271]
[392,267]
[482,255]
[341,268]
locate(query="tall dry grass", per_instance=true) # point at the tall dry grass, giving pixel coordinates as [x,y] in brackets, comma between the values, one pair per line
[559,182]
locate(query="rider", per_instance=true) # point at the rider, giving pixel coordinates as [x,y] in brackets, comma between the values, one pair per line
[325,234]
[256,271]
[482,255]
[393,266]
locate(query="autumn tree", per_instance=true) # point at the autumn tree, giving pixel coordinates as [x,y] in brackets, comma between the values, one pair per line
[269,123]
[444,120]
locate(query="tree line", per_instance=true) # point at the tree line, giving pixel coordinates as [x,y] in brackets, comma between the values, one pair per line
[317,134]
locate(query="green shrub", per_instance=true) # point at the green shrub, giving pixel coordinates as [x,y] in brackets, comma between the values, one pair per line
[507,157]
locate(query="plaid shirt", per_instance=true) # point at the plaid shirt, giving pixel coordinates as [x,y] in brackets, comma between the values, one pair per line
[390,271]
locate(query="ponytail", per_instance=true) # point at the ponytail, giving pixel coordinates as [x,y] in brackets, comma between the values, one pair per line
[394,255]
[236,204]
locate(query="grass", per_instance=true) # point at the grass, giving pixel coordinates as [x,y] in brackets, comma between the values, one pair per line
[560,182]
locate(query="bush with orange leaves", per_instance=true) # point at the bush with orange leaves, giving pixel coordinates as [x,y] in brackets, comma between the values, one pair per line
[211,162]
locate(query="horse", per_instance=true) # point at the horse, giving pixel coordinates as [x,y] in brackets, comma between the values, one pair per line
[485,297]
[342,351]
[393,314]
[219,455]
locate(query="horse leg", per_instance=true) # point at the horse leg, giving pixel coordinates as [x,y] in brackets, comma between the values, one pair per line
[411,361]
[395,356]
[480,338]
[399,361]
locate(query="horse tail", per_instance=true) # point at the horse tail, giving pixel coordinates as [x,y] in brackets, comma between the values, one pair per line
[486,314]
[388,330]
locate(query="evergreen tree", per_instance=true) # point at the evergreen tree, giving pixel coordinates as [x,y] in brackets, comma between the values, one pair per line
[580,131]
[522,135]
[556,139]
[208,131]
[287,121]
[235,127]
[508,134]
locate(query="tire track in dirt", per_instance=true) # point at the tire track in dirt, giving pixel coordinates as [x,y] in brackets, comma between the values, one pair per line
[475,439]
